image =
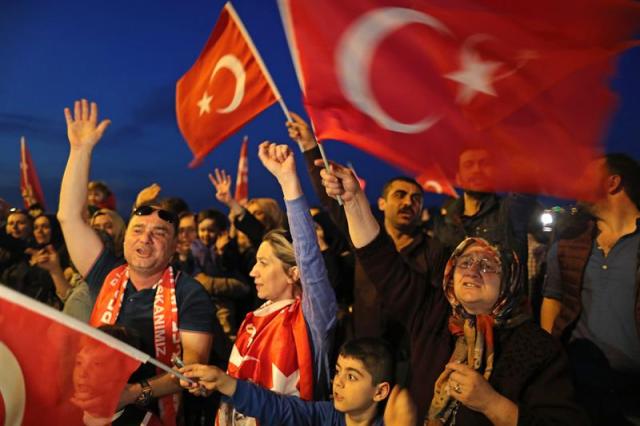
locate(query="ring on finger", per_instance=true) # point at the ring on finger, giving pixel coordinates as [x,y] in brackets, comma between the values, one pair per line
[457,388]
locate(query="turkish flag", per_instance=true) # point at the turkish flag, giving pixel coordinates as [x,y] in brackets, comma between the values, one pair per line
[49,362]
[242,178]
[29,182]
[420,82]
[225,88]
[434,180]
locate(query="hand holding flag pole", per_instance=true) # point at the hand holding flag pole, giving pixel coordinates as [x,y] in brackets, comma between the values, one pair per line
[304,135]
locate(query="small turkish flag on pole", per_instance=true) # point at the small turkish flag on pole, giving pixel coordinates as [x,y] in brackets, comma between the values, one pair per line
[55,366]
[29,182]
[422,82]
[242,178]
[225,88]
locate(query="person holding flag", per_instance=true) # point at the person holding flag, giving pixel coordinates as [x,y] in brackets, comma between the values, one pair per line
[171,312]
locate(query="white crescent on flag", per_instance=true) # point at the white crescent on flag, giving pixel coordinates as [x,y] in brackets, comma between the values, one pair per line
[12,387]
[437,188]
[233,64]
[354,54]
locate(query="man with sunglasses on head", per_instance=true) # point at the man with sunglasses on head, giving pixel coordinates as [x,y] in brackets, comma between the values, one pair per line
[170,311]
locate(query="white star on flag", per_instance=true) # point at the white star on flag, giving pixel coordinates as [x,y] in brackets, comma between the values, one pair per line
[205,103]
[236,359]
[475,76]
[285,385]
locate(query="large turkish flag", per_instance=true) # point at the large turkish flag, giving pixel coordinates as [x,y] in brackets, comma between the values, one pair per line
[225,88]
[418,82]
[48,361]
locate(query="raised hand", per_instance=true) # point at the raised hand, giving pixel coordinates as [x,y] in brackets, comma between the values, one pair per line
[222,183]
[83,129]
[278,159]
[300,132]
[339,180]
[148,194]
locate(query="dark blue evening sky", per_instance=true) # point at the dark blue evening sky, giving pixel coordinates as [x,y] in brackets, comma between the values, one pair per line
[127,56]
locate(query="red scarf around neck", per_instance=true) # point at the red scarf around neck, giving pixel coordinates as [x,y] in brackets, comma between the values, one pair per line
[165,323]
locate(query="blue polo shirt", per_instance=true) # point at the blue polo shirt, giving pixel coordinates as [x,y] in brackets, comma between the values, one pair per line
[195,309]
[608,300]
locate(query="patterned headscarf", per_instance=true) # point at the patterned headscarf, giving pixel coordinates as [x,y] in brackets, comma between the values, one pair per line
[474,333]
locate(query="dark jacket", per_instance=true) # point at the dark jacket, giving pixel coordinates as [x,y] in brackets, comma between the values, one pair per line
[500,220]
[530,367]
[422,254]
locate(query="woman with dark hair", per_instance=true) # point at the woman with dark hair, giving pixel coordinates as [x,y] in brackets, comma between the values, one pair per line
[42,275]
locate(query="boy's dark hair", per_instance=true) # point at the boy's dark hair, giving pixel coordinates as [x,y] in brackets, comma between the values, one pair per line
[387,185]
[374,354]
[629,171]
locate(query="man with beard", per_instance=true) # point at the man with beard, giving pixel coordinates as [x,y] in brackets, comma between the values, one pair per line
[592,294]
[401,203]
[480,212]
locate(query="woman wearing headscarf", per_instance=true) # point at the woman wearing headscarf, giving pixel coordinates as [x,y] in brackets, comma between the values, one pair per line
[476,357]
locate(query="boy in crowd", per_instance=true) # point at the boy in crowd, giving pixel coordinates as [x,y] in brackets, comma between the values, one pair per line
[361,385]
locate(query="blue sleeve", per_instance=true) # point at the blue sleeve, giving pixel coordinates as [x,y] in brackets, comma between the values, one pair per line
[318,298]
[552,287]
[275,409]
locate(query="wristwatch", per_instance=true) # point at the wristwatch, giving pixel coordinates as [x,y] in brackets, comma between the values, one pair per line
[145,396]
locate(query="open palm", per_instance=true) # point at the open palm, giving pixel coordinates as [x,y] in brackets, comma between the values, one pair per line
[82,127]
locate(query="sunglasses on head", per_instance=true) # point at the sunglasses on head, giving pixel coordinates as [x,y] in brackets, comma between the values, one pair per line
[165,215]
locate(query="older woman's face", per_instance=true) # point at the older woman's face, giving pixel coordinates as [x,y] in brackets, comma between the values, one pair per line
[476,279]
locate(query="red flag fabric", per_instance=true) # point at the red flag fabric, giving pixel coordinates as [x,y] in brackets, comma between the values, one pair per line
[242,178]
[50,361]
[29,182]
[434,180]
[420,82]
[225,88]
[272,350]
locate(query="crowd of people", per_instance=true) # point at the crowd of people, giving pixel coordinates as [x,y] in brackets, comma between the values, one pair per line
[343,313]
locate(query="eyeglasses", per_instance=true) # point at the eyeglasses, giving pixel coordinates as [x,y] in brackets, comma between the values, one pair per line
[165,215]
[486,266]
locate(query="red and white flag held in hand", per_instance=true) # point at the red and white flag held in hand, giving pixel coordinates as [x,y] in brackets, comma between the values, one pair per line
[225,88]
[54,366]
[242,178]
[420,82]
